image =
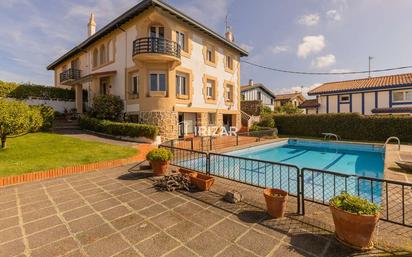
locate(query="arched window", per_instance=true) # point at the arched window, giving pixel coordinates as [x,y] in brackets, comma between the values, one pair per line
[110,51]
[95,57]
[102,54]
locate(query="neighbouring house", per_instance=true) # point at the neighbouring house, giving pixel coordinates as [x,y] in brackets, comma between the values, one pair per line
[258,92]
[168,68]
[375,95]
[309,106]
[295,98]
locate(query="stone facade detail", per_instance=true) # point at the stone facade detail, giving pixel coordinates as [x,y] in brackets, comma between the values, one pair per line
[166,121]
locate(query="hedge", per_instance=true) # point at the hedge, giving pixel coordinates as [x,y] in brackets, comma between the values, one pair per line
[24,91]
[349,126]
[119,128]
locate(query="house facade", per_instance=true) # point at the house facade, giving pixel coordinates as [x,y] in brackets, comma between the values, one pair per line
[309,106]
[258,92]
[169,70]
[295,98]
[376,95]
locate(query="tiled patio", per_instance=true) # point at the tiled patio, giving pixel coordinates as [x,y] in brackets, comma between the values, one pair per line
[109,213]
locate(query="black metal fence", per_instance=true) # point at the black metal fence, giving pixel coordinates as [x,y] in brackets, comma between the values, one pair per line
[156,45]
[312,185]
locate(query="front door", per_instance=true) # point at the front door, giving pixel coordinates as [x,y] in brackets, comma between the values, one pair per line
[104,85]
[181,125]
[227,121]
[157,35]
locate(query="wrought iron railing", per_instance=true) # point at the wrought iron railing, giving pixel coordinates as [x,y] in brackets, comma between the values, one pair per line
[70,74]
[156,45]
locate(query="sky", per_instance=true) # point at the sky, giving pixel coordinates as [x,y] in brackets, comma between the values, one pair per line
[303,35]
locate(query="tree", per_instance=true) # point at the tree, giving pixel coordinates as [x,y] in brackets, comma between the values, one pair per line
[265,110]
[17,118]
[289,108]
[108,107]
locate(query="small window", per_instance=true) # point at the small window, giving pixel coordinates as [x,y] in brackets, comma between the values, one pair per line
[229,62]
[210,89]
[135,84]
[209,55]
[402,96]
[242,97]
[229,93]
[259,96]
[180,40]
[181,84]
[271,101]
[102,54]
[157,81]
[344,98]
[212,118]
[95,57]
[157,32]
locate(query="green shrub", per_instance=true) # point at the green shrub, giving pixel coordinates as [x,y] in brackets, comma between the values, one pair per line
[350,126]
[265,110]
[160,154]
[266,121]
[354,204]
[35,119]
[288,108]
[119,128]
[108,107]
[48,115]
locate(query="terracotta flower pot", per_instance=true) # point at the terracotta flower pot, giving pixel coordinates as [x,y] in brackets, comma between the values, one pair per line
[276,201]
[354,230]
[203,182]
[189,173]
[159,167]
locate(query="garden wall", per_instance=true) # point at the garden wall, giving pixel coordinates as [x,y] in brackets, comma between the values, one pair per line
[56,104]
[349,126]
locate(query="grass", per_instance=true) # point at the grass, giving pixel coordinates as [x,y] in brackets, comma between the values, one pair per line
[43,151]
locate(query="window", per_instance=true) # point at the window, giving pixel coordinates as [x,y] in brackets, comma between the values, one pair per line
[180,39]
[271,101]
[157,81]
[243,97]
[95,57]
[210,89]
[259,95]
[102,54]
[157,31]
[181,84]
[229,62]
[229,93]
[134,85]
[212,118]
[402,96]
[344,98]
[209,55]
[104,85]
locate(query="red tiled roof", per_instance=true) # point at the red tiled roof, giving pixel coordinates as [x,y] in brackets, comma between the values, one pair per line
[364,84]
[256,85]
[311,103]
[287,96]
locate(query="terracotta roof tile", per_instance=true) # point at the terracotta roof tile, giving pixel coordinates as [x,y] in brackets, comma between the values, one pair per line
[287,96]
[311,103]
[364,84]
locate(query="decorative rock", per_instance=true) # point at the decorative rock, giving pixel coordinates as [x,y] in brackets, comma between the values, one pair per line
[173,182]
[233,197]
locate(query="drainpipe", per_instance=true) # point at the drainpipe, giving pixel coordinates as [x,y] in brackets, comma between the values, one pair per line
[125,70]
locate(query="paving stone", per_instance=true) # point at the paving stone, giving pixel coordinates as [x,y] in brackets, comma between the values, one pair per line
[9,222]
[180,252]
[174,202]
[250,216]
[12,248]
[229,229]
[75,253]
[130,252]
[140,203]
[90,192]
[127,221]
[8,213]
[94,234]
[36,206]
[236,251]
[115,212]
[309,242]
[336,249]
[277,228]
[157,245]
[152,211]
[33,199]
[139,232]
[185,230]
[78,213]
[207,244]
[97,197]
[166,219]
[47,236]
[161,196]
[188,209]
[285,250]
[121,191]
[206,218]
[38,214]
[42,224]
[106,204]
[107,246]
[56,248]
[70,205]
[65,198]
[132,196]
[257,242]
[8,205]
[10,234]
[85,223]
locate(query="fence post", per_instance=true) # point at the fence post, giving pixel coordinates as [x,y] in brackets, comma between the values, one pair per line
[207,164]
[201,142]
[191,143]
[301,198]
[210,143]
[237,139]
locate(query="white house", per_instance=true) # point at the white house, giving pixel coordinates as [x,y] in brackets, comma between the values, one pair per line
[258,92]
[375,95]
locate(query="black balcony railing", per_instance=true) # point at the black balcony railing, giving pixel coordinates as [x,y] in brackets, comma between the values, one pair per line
[69,74]
[156,45]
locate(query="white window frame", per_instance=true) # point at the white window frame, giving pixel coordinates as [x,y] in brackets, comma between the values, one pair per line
[157,31]
[210,89]
[229,62]
[259,95]
[209,55]
[344,101]
[209,115]
[404,94]
[134,88]
[229,92]
[157,73]
[181,77]
[181,39]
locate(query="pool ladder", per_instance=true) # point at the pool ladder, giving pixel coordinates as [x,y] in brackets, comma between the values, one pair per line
[391,138]
[330,135]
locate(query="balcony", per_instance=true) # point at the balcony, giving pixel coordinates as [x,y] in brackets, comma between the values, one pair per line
[156,49]
[68,76]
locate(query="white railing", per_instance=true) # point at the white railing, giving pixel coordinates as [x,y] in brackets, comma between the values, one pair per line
[330,135]
[393,138]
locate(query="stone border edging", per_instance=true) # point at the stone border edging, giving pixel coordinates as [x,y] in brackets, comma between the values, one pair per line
[64,171]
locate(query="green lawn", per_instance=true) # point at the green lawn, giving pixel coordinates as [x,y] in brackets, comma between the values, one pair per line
[42,151]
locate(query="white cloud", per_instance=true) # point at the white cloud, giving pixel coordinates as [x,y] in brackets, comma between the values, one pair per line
[299,89]
[247,47]
[324,61]
[311,45]
[279,49]
[340,70]
[309,19]
[333,15]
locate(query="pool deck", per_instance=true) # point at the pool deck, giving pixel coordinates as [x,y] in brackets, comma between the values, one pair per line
[392,170]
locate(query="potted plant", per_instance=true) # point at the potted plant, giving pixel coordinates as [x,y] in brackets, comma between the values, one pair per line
[355,220]
[159,160]
[202,181]
[187,172]
[276,200]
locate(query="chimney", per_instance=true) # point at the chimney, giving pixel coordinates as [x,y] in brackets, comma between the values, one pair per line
[91,26]
[229,36]
[251,82]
